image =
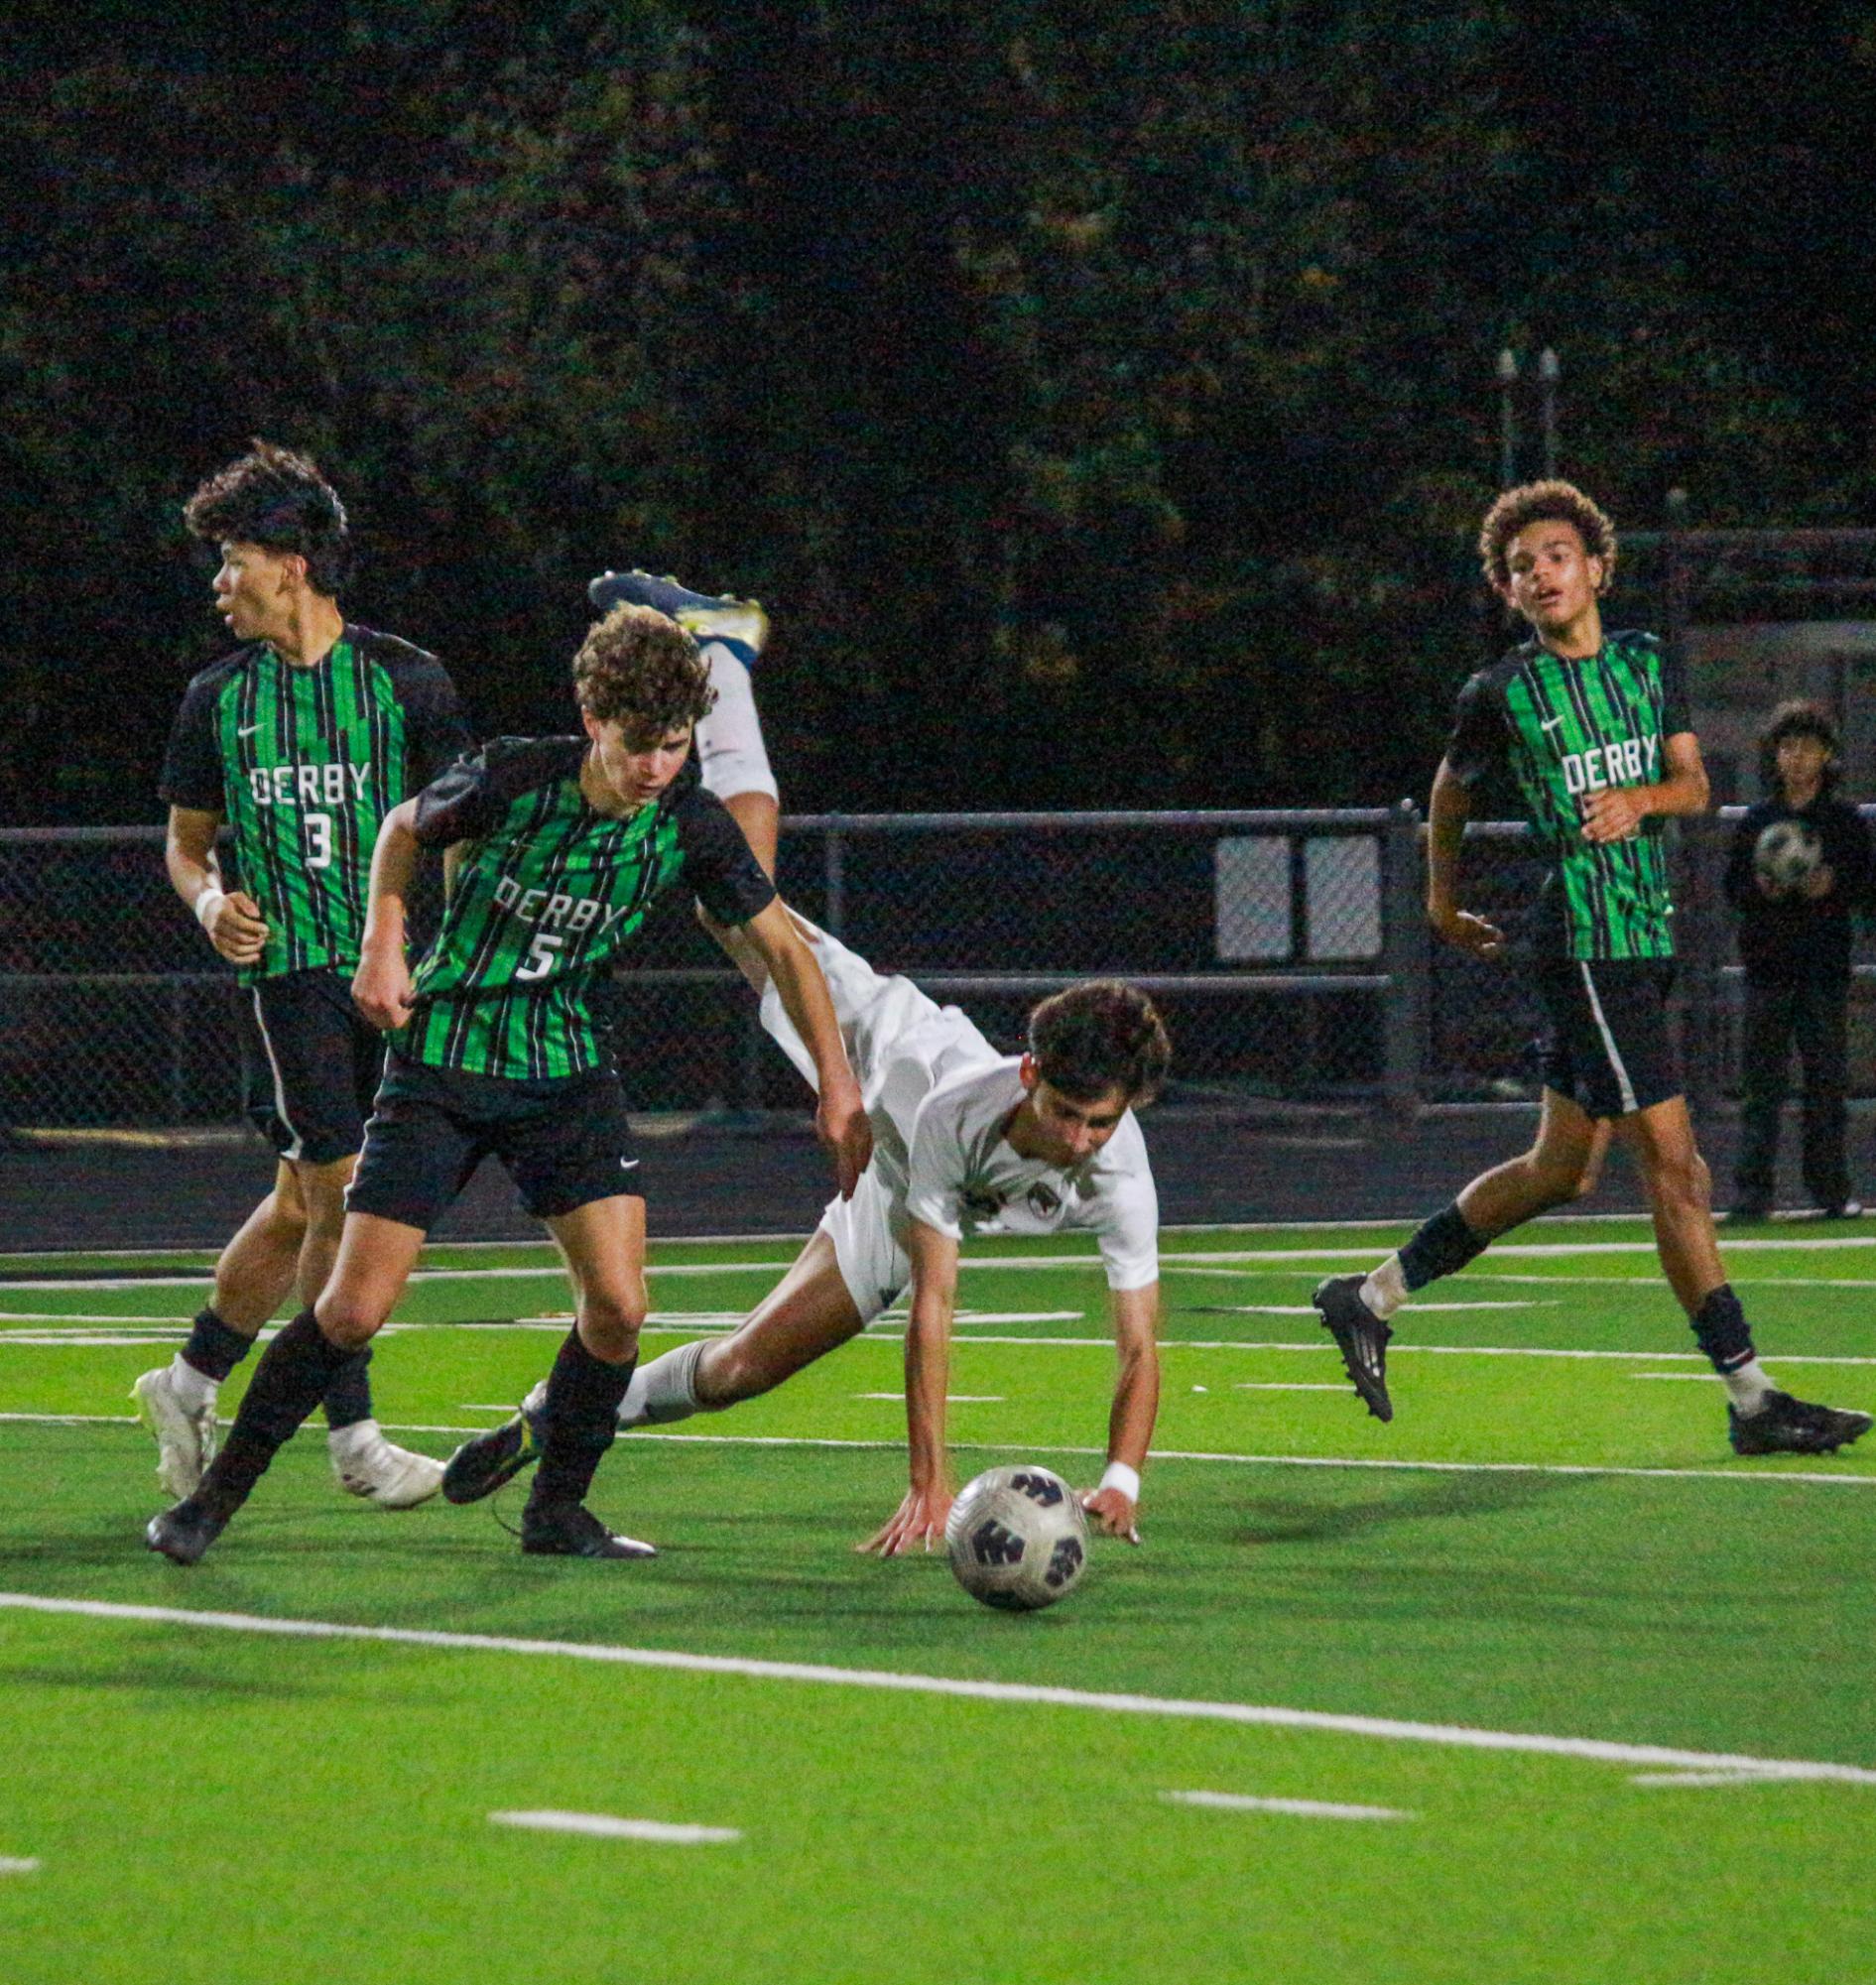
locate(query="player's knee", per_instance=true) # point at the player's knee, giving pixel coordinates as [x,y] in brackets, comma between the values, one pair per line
[349,1318]
[733,1371]
[1558,1176]
[286,1220]
[610,1321]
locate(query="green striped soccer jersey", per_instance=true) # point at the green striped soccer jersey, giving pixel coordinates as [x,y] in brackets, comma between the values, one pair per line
[1566,728]
[303,764]
[547,892]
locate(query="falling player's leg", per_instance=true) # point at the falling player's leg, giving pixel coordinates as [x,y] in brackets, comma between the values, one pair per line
[810,1312]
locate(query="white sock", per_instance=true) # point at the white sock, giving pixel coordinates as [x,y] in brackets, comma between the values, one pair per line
[194,1390]
[1748,1388]
[1385,1291]
[665,1390]
[348,1440]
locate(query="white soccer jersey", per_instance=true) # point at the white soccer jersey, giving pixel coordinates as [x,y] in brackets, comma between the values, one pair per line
[965,1179]
[730,753]
[900,1045]
[938,1096]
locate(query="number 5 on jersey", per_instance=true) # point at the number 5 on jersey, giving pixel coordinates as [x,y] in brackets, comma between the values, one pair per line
[540,954]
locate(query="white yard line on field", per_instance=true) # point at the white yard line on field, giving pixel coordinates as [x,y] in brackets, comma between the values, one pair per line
[603,1827]
[1702,1778]
[1298,1808]
[1756,1472]
[1235,1259]
[1457,1736]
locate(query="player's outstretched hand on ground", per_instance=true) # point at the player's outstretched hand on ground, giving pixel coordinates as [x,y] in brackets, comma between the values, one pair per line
[1113,1513]
[842,1126]
[381,990]
[916,1525]
[1468,933]
[237,930]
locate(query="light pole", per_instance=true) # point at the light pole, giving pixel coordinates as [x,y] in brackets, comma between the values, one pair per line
[1549,373]
[1507,419]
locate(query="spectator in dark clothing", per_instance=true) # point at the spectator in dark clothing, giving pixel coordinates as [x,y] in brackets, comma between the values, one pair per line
[1795,942]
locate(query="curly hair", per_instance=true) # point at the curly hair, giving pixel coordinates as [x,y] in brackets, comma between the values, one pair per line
[1099,1035]
[637,667]
[1796,718]
[1542,502]
[278,500]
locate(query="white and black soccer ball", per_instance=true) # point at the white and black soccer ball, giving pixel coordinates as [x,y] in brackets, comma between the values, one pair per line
[1018,1537]
[1786,855]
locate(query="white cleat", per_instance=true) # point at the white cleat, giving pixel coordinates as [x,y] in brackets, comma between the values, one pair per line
[186,1439]
[367,1465]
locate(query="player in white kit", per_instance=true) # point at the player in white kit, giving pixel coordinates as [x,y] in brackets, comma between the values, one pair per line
[965,1140]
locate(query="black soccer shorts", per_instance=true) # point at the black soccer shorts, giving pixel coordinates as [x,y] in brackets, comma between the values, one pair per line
[310,1065]
[564,1141]
[1608,1043]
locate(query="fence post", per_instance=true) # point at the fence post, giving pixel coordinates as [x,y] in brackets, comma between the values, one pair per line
[1404,953]
[837,877]
[1701,943]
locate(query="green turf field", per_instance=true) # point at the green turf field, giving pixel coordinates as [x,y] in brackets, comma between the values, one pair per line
[1542,1683]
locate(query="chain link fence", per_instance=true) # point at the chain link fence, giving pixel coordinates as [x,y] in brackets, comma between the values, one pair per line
[1287,951]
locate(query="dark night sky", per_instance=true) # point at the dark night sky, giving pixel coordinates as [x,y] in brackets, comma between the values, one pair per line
[1741,139]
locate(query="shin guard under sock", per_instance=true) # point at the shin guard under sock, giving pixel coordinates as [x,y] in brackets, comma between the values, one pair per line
[288,1382]
[348,1397]
[213,1349]
[1442,1246]
[578,1422]
[1720,1329]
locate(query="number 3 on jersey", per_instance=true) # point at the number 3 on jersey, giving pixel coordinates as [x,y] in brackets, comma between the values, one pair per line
[319,832]
[540,954]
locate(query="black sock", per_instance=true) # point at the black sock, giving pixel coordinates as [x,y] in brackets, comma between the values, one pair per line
[287,1384]
[1720,1327]
[1442,1245]
[213,1348]
[578,1422]
[348,1397]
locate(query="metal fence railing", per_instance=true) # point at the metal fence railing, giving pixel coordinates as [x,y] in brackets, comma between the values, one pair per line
[1286,949]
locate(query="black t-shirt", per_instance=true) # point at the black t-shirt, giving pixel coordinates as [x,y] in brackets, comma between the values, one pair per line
[1794,938]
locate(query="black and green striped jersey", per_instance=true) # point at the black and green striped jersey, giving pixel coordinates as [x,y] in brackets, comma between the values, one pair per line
[1565,727]
[303,764]
[547,891]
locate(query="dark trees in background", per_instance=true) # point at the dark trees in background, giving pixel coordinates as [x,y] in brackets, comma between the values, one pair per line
[1098,394]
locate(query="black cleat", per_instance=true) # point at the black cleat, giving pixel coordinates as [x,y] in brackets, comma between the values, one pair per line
[1788,1426]
[480,1466]
[185,1532]
[1747,1213]
[570,1530]
[1361,1336]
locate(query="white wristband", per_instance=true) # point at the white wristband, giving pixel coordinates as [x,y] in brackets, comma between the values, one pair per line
[1117,1475]
[207,907]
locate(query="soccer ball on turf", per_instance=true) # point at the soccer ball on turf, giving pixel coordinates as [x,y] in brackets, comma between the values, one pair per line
[1018,1539]
[1786,855]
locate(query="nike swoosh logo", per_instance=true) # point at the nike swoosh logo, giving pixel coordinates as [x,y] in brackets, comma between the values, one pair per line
[247,730]
[626,1164]
[1551,724]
